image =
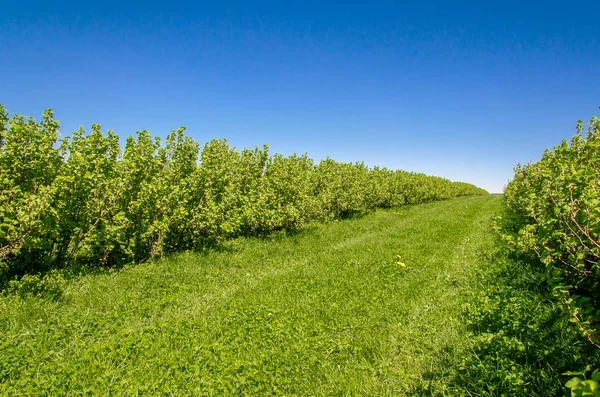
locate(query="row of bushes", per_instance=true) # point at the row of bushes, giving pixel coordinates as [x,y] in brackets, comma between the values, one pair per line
[86,200]
[552,214]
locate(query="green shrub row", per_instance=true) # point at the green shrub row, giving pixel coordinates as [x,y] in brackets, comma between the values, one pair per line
[86,200]
[552,212]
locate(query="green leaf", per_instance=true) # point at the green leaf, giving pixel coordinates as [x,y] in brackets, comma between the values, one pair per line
[574,383]
[590,386]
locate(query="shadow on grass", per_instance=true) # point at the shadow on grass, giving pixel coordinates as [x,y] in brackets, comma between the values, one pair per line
[48,280]
[46,277]
[521,342]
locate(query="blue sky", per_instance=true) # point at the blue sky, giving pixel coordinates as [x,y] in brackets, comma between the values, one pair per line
[464,90]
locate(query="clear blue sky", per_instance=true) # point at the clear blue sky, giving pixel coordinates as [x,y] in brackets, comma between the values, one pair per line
[464,90]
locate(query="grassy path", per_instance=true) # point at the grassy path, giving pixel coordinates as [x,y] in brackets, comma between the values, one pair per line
[328,311]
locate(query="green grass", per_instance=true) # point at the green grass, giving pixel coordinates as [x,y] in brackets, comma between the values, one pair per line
[327,311]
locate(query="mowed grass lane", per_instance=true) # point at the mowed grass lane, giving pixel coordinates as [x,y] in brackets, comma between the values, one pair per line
[368,306]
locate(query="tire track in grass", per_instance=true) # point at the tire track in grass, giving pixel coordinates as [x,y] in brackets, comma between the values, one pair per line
[293,263]
[440,301]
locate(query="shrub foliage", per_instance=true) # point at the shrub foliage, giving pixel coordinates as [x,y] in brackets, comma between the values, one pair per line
[85,200]
[552,212]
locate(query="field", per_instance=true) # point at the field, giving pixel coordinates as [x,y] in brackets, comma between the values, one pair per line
[300,199]
[414,300]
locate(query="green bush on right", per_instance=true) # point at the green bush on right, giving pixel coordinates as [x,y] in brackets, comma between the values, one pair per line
[552,213]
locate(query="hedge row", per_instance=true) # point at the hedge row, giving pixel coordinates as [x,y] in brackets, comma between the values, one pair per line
[552,212]
[86,200]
